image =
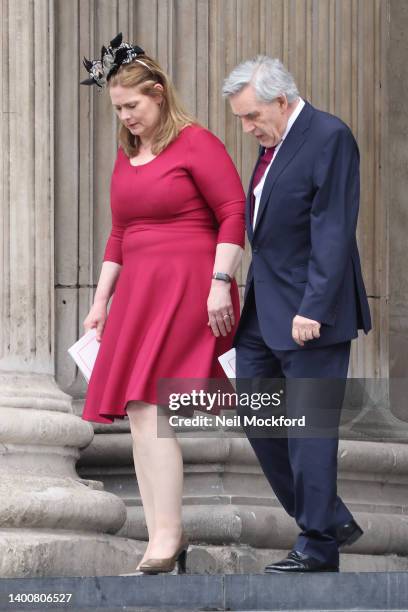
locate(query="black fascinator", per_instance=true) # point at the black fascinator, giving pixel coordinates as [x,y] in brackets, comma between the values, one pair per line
[117,53]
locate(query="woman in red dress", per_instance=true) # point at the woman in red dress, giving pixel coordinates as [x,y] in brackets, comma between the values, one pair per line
[177,219]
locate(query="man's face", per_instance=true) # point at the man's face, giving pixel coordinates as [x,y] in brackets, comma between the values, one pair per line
[266,121]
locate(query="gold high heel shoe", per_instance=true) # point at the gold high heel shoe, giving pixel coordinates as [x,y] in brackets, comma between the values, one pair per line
[160,566]
[136,573]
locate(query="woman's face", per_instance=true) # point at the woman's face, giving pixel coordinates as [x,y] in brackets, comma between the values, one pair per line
[138,112]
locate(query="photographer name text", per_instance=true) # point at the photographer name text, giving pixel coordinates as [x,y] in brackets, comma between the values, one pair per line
[237,421]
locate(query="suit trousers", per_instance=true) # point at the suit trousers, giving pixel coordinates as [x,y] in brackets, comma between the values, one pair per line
[301,466]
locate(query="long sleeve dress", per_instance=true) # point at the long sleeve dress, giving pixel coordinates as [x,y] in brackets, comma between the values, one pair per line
[168,216]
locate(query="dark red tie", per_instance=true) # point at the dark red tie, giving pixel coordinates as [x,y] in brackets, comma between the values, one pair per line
[259,172]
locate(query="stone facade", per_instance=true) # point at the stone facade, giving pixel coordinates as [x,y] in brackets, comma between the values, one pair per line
[58,147]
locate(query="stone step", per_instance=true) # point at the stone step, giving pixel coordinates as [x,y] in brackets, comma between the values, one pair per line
[205,609]
[367,591]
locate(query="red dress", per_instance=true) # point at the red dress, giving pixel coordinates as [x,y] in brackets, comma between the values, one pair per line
[167,217]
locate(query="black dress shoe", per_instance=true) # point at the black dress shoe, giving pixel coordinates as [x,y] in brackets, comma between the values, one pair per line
[348,533]
[299,562]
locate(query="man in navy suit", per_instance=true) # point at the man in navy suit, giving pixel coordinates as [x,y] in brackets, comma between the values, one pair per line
[305,298]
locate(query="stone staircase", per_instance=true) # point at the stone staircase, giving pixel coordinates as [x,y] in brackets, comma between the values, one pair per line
[367,591]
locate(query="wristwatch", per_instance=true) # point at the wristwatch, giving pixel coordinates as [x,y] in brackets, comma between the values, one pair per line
[222,276]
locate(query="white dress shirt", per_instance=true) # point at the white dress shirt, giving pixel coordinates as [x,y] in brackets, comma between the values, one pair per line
[258,189]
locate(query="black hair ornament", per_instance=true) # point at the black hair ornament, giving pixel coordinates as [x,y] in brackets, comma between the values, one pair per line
[118,53]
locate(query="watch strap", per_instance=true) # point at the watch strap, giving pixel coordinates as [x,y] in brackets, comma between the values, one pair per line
[222,276]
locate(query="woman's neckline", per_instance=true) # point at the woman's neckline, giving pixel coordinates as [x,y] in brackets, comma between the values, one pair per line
[158,155]
[146,163]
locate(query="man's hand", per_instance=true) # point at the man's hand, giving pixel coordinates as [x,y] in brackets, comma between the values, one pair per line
[304,329]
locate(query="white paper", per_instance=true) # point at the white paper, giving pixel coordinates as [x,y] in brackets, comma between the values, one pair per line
[227,361]
[84,352]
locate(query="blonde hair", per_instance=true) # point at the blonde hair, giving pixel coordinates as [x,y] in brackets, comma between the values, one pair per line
[145,73]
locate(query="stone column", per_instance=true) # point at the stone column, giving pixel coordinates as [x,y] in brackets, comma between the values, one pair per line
[51,521]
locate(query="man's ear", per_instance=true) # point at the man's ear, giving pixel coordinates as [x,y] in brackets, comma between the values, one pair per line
[283,102]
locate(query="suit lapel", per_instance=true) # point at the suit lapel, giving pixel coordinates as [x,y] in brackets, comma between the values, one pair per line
[290,146]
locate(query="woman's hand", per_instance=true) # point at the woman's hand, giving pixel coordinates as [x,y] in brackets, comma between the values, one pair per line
[96,318]
[220,311]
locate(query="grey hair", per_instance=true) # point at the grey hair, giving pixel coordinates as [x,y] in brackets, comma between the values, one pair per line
[268,76]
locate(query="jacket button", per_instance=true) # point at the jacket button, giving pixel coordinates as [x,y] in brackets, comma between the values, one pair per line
[255,249]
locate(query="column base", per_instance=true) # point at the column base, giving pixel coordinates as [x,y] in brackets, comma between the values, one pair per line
[39,486]
[29,553]
[33,391]
[52,523]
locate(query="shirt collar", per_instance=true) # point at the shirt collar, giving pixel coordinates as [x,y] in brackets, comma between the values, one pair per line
[295,114]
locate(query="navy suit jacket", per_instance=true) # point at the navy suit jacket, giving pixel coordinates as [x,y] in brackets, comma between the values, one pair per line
[305,258]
